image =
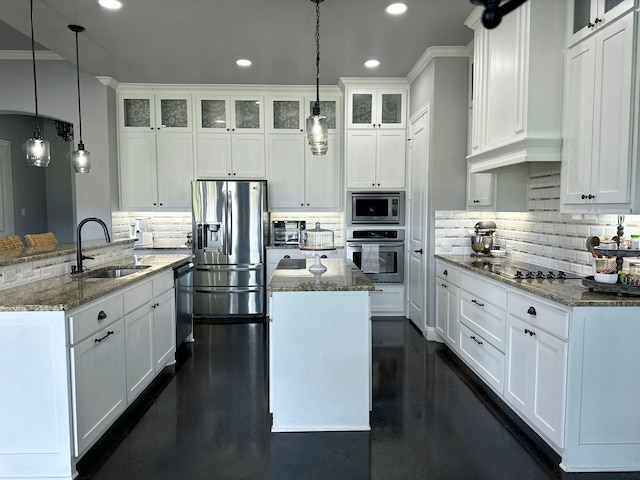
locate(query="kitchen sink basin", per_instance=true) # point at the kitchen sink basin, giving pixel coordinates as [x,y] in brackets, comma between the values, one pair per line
[115,272]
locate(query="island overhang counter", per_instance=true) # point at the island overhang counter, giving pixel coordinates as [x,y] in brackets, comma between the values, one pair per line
[319,347]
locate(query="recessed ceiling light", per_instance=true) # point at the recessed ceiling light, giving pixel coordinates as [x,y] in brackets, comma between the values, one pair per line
[371,63]
[111,4]
[396,9]
[243,62]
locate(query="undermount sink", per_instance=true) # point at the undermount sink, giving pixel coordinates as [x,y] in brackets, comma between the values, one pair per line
[115,272]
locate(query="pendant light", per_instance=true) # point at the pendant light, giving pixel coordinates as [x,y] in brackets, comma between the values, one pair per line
[317,132]
[81,158]
[38,150]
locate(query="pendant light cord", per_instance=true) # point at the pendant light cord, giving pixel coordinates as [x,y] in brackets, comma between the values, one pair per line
[316,109]
[78,78]
[33,57]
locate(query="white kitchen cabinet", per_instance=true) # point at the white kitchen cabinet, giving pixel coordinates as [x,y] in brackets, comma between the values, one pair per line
[170,112]
[535,377]
[387,299]
[447,324]
[230,136]
[164,329]
[598,118]
[299,180]
[585,17]
[156,170]
[286,114]
[376,108]
[139,351]
[517,87]
[98,381]
[376,159]
[330,107]
[480,189]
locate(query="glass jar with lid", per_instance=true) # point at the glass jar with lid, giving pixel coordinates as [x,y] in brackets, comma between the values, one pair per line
[317,239]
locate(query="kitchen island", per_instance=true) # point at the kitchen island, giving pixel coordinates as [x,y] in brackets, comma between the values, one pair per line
[319,347]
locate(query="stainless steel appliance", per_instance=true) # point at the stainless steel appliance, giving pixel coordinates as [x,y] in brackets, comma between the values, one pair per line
[482,237]
[229,219]
[378,253]
[287,232]
[183,276]
[375,208]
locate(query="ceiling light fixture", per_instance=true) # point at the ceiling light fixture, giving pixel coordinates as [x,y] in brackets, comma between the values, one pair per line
[371,63]
[493,11]
[396,9]
[81,158]
[110,4]
[38,150]
[317,131]
[243,62]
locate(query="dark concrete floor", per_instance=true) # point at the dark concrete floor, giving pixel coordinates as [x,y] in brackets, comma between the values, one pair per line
[431,419]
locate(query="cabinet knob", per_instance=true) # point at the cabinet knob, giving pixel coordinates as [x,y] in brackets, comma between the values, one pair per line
[374,125]
[378,184]
[102,315]
[530,332]
[597,21]
[233,129]
[161,204]
[445,273]
[155,204]
[531,311]
[443,285]
[228,129]
[379,125]
[301,130]
[287,256]
[590,25]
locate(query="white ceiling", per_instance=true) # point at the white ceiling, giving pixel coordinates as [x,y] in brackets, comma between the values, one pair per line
[198,41]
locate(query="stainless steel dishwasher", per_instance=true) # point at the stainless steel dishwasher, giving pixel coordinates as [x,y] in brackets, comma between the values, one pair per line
[183,276]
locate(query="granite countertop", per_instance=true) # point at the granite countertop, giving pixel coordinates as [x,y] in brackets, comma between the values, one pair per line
[29,254]
[293,275]
[65,292]
[566,292]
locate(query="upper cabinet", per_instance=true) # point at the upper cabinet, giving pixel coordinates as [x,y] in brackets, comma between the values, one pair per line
[517,87]
[377,108]
[376,134]
[288,114]
[155,151]
[230,137]
[598,156]
[143,113]
[585,17]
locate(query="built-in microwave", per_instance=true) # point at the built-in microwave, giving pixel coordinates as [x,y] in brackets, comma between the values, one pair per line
[375,207]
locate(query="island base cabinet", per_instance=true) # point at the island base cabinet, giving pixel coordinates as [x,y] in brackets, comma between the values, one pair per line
[98,383]
[320,361]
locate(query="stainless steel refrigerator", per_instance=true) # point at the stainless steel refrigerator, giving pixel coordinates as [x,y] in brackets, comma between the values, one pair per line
[229,219]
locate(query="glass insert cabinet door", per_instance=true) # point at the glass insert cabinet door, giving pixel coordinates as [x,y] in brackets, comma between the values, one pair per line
[586,16]
[377,109]
[328,108]
[155,112]
[287,115]
[225,114]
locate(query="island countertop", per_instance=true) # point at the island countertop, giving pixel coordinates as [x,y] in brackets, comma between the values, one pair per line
[65,292]
[293,275]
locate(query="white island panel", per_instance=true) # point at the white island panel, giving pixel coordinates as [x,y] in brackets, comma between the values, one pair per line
[320,370]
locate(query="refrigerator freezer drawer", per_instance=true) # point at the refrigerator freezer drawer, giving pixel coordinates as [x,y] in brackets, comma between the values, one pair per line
[225,301]
[229,275]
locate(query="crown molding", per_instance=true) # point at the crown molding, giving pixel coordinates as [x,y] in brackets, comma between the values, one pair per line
[27,55]
[108,81]
[434,52]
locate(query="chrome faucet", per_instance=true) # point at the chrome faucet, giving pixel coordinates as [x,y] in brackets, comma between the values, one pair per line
[79,255]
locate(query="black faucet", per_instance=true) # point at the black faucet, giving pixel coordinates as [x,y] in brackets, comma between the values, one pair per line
[79,255]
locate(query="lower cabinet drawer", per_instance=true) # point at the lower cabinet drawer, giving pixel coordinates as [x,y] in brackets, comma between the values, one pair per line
[539,314]
[94,316]
[482,317]
[486,360]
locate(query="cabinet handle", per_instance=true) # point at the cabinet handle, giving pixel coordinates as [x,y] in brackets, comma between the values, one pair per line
[418,251]
[444,285]
[587,197]
[597,20]
[445,273]
[287,256]
[109,333]
[473,337]
[323,256]
[590,25]
[531,311]
[477,303]
[102,315]
[530,332]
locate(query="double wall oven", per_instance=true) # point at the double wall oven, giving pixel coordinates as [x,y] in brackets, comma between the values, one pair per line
[375,237]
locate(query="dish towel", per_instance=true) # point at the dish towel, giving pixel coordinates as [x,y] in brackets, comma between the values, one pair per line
[370,262]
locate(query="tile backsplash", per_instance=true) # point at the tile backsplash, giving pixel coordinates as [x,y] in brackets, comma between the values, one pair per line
[171,228]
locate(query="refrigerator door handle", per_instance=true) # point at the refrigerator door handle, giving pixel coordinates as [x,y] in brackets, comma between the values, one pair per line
[230,268]
[229,224]
[229,290]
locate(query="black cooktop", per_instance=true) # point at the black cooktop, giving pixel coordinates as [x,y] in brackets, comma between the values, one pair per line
[522,270]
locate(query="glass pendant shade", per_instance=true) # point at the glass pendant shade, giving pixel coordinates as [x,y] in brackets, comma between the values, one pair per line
[317,134]
[81,159]
[38,151]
